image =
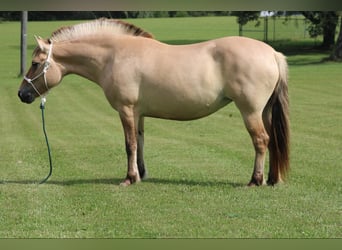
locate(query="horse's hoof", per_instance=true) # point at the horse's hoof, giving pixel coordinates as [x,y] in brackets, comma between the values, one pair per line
[129,181]
[126,183]
[256,182]
[251,184]
[144,176]
[273,182]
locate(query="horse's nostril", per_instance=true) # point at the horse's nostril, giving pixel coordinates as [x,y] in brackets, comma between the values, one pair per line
[26,97]
[20,95]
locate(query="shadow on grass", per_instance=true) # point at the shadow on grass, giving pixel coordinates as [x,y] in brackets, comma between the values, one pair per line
[302,53]
[66,182]
[117,181]
[179,182]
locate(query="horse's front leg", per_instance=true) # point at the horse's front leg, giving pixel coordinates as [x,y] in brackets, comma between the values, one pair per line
[129,122]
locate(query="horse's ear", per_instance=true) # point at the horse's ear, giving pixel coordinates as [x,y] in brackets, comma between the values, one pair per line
[43,45]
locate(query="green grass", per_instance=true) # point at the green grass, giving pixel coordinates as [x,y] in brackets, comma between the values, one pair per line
[197,170]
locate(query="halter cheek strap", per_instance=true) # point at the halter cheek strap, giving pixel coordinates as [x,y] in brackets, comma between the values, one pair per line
[43,73]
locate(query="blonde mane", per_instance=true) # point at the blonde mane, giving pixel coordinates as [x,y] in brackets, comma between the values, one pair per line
[97,26]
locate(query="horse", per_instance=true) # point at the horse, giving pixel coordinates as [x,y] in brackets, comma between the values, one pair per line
[143,77]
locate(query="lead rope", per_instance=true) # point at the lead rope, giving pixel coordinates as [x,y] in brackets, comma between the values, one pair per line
[42,107]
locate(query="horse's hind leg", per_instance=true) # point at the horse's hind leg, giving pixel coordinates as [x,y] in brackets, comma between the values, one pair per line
[260,139]
[140,159]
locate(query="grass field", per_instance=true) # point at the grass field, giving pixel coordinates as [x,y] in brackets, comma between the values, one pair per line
[197,170]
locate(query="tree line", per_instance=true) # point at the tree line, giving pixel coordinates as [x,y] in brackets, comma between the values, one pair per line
[84,15]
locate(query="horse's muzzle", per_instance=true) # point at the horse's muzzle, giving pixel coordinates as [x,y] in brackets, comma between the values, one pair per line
[26,97]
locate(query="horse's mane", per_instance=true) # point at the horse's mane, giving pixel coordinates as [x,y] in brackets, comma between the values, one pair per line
[97,26]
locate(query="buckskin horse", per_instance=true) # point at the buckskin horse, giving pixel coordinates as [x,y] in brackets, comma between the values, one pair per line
[142,77]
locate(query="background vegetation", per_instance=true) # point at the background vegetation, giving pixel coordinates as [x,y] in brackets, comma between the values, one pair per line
[325,23]
[198,170]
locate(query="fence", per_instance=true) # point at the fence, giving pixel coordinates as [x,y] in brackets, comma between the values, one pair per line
[270,29]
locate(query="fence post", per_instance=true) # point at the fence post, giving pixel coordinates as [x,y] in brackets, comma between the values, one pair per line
[266,29]
[274,28]
[240,29]
[23,43]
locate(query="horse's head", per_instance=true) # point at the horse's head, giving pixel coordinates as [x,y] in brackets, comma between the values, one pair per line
[43,74]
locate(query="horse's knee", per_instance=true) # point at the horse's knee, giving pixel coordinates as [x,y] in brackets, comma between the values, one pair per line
[257,131]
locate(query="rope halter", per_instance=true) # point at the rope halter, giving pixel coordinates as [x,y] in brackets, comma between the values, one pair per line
[43,73]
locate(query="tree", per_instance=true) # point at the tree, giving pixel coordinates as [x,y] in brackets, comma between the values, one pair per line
[336,54]
[243,17]
[323,23]
[172,13]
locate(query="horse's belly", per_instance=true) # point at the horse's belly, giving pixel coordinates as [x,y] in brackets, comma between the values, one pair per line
[176,109]
[185,98]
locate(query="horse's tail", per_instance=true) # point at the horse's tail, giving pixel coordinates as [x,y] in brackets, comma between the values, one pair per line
[279,125]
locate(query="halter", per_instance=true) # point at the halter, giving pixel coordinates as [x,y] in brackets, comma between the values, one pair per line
[45,69]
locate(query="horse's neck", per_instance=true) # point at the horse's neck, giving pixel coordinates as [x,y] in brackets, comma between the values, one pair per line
[82,58]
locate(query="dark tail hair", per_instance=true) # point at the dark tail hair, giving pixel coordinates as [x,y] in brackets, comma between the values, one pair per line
[279,127]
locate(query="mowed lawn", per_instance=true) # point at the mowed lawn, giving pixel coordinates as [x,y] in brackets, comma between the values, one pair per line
[197,170]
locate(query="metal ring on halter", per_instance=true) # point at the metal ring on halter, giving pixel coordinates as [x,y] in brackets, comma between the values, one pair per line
[45,69]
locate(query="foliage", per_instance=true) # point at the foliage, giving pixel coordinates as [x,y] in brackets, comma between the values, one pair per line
[323,23]
[81,15]
[243,17]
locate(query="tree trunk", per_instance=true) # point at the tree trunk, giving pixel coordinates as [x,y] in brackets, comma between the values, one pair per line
[323,22]
[337,52]
[330,20]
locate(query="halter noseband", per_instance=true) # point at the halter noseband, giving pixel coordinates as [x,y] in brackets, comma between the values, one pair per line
[45,69]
